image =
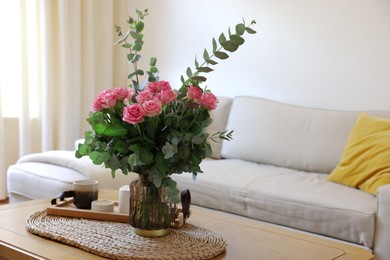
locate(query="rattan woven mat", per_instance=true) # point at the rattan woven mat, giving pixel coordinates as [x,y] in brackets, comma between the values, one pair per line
[117,240]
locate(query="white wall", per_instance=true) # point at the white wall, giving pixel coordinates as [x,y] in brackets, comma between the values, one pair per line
[321,53]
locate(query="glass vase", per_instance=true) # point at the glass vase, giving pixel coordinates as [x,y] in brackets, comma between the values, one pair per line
[150,210]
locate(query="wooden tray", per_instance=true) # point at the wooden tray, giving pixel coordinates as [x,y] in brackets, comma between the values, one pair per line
[67,209]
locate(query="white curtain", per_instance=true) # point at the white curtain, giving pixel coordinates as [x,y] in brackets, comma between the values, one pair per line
[3,186]
[67,57]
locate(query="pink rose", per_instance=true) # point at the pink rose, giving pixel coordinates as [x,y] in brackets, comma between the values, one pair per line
[156,87]
[143,96]
[133,114]
[152,107]
[123,93]
[194,93]
[97,104]
[209,101]
[152,87]
[166,96]
[163,85]
[109,98]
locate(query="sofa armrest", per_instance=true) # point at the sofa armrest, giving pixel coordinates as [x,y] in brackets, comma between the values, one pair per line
[382,228]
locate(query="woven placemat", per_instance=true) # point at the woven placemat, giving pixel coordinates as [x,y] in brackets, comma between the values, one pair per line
[118,241]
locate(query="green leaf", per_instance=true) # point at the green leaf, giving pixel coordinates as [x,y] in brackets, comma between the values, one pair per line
[169,150]
[115,130]
[214,45]
[250,30]
[136,36]
[137,47]
[162,164]
[221,55]
[199,78]
[145,156]
[184,152]
[153,69]
[182,80]
[237,39]
[230,46]
[206,55]
[127,45]
[157,180]
[240,28]
[199,139]
[222,38]
[212,62]
[189,72]
[139,26]
[137,72]
[196,63]
[204,69]
[99,157]
[153,61]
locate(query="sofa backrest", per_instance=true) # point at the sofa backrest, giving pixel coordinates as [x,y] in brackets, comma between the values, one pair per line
[219,117]
[270,132]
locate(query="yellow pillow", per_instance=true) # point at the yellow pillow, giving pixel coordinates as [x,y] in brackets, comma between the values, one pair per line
[365,163]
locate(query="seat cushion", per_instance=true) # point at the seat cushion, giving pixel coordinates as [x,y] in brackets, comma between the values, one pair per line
[284,196]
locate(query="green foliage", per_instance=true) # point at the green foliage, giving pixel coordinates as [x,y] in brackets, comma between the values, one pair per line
[134,46]
[171,142]
[219,50]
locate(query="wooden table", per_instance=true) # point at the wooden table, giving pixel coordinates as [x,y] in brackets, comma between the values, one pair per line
[246,238]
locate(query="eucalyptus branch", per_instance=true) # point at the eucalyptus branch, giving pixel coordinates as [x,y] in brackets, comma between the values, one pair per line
[225,135]
[231,45]
[136,27]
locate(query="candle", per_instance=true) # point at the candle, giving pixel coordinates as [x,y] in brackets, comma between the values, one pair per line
[124,199]
[103,205]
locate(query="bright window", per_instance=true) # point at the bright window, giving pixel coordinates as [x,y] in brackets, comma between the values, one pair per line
[10,61]
[18,57]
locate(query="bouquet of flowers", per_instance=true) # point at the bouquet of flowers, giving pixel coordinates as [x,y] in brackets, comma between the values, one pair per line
[149,127]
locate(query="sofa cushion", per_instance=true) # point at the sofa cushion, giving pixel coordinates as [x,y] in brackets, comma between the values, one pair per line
[288,136]
[297,199]
[365,163]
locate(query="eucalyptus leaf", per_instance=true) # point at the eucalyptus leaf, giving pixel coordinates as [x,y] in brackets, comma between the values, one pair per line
[204,69]
[221,55]
[189,72]
[240,28]
[153,61]
[146,156]
[206,55]
[250,30]
[237,39]
[199,78]
[139,26]
[215,46]
[196,63]
[230,46]
[222,38]
[212,62]
[137,47]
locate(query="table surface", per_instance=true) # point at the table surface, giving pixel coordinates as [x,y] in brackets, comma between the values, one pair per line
[246,238]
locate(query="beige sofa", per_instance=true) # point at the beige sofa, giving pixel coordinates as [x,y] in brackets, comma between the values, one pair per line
[274,170]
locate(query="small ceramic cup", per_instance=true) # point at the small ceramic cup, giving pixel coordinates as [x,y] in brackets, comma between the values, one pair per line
[84,192]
